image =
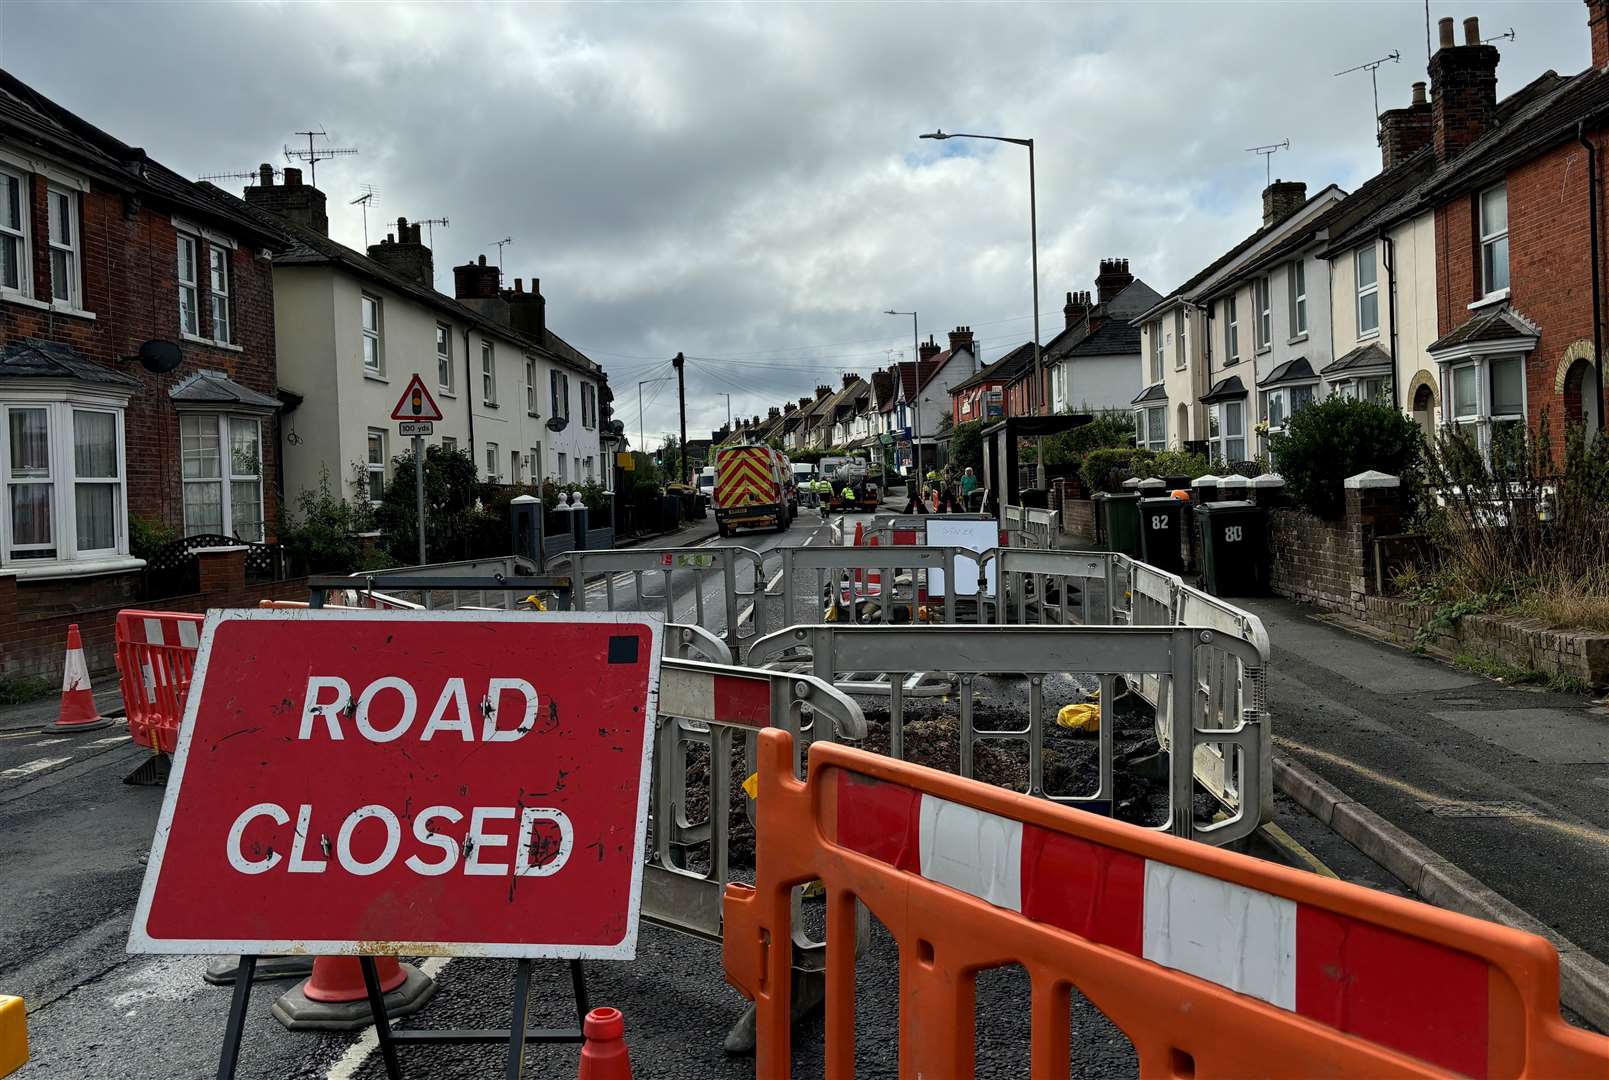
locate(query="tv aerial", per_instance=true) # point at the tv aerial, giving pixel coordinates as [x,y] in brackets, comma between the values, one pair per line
[254,174]
[315,154]
[1267,152]
[1372,67]
[365,200]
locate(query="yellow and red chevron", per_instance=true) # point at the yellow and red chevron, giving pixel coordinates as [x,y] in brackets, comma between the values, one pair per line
[743,476]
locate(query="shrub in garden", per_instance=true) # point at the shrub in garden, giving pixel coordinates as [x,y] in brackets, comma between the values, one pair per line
[453,519]
[321,534]
[1338,437]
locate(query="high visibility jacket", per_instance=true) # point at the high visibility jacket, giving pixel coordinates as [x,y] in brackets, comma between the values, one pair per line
[849,494]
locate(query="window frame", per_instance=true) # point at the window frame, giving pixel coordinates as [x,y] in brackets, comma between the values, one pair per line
[222,422]
[493,462]
[1364,292]
[371,438]
[530,386]
[63,482]
[1482,417]
[1179,362]
[446,375]
[22,233]
[376,334]
[218,260]
[1221,437]
[188,286]
[488,373]
[564,468]
[1231,330]
[559,387]
[1262,303]
[1488,240]
[1288,407]
[74,250]
[1159,354]
[1296,283]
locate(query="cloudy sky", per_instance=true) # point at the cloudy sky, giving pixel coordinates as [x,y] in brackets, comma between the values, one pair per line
[744,183]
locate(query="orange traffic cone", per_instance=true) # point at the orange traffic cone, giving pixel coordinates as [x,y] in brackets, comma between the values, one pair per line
[334,998]
[78,712]
[603,1055]
[340,978]
[860,532]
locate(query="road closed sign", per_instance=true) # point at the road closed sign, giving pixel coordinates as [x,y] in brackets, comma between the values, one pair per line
[446,783]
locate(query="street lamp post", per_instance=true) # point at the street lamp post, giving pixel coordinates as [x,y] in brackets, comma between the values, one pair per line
[916,432]
[640,384]
[1037,389]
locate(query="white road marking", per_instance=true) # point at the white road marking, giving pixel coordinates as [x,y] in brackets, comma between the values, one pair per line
[45,742]
[111,740]
[35,766]
[347,1066]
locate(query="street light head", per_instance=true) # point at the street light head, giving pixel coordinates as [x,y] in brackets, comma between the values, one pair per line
[939,134]
[890,311]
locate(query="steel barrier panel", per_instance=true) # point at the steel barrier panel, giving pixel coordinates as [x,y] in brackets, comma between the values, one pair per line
[701,563]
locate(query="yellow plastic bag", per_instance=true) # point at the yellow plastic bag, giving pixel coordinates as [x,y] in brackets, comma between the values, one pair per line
[1080,716]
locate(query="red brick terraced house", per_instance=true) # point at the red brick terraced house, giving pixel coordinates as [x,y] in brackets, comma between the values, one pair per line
[137,369]
[1519,301]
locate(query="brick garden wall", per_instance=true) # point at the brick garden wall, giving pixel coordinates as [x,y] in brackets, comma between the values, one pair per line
[1524,643]
[1331,563]
[34,642]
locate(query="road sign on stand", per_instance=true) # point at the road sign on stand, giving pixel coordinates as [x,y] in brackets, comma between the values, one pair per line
[416,403]
[382,783]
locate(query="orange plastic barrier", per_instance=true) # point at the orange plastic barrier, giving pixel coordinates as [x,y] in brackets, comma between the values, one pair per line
[156,654]
[1214,964]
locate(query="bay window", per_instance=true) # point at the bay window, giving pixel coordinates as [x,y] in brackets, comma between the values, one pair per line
[1494,239]
[1368,288]
[16,261]
[1229,431]
[61,464]
[221,466]
[1281,403]
[1151,428]
[1487,393]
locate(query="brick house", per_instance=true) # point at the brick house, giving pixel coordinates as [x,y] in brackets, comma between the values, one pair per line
[137,364]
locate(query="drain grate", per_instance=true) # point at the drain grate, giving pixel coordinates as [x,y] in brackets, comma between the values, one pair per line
[1459,808]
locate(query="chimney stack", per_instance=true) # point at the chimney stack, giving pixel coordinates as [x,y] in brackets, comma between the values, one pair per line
[475,281]
[1283,198]
[1598,26]
[292,200]
[527,311]
[404,253]
[774,412]
[804,402]
[850,379]
[822,391]
[1076,310]
[1113,278]
[1404,132]
[961,338]
[928,349]
[1463,90]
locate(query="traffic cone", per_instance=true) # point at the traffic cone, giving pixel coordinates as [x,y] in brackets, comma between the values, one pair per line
[334,998]
[78,712]
[603,1055]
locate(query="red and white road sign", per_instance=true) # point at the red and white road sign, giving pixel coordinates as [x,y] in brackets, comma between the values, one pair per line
[416,403]
[449,783]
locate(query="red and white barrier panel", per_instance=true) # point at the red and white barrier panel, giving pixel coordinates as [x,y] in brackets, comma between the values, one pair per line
[1416,996]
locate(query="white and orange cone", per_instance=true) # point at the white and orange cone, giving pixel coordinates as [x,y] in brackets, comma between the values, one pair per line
[78,711]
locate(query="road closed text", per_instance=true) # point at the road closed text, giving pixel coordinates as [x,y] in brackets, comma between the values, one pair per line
[486,841]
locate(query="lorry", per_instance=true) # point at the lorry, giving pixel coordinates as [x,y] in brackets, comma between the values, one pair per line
[751,489]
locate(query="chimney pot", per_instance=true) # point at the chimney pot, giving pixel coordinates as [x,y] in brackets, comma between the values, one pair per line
[519,285]
[1444,30]
[293,177]
[1418,93]
[1472,31]
[291,200]
[265,174]
[402,227]
[483,260]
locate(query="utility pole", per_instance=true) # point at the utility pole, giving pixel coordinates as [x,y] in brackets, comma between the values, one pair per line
[728,398]
[681,401]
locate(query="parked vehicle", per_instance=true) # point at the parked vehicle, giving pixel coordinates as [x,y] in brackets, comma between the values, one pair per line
[706,482]
[751,489]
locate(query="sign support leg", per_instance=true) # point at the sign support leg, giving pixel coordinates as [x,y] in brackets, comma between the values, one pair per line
[419,490]
[382,1023]
[516,1028]
[236,1026]
[578,982]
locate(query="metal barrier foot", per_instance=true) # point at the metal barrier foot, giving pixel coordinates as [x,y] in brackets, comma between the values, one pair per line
[298,1012]
[223,970]
[809,993]
[153,772]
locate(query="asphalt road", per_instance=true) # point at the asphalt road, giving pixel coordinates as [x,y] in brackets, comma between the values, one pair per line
[73,839]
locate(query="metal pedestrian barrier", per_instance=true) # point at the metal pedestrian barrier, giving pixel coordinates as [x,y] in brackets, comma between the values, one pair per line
[973,654]
[711,587]
[1038,527]
[1213,964]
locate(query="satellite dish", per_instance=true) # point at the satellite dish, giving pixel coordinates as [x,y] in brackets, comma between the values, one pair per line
[557,423]
[159,357]
[617,427]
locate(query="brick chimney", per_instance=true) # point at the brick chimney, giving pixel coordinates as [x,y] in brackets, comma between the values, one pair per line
[961,338]
[404,253]
[292,200]
[1404,132]
[928,349]
[1113,279]
[475,281]
[773,412]
[1463,89]
[1598,25]
[527,311]
[804,402]
[1283,198]
[822,391]
[1076,310]
[850,379]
